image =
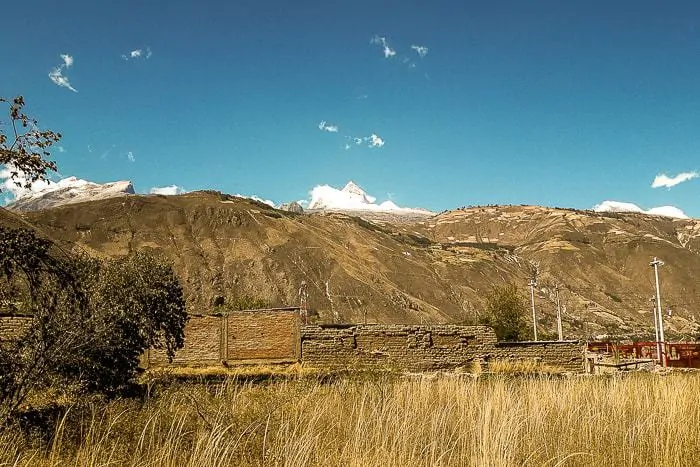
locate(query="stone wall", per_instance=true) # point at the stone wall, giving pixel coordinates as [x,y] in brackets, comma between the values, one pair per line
[409,347]
[425,347]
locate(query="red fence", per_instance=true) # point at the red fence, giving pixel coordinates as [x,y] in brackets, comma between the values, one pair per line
[678,354]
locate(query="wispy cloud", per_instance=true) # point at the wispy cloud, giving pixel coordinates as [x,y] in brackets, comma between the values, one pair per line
[372,141]
[167,190]
[379,40]
[138,54]
[324,126]
[60,149]
[663,180]
[56,75]
[130,156]
[421,50]
[375,141]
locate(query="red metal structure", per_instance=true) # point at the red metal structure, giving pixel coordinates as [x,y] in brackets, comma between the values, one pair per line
[678,354]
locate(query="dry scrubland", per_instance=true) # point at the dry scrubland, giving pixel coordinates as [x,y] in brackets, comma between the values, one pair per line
[636,419]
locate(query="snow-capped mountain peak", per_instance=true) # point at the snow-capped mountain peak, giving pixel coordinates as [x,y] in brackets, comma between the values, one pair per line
[353,198]
[69,190]
[353,189]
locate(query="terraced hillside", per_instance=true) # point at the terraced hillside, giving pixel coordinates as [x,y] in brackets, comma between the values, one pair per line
[370,268]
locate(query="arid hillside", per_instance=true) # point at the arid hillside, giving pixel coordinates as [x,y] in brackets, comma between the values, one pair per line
[372,268]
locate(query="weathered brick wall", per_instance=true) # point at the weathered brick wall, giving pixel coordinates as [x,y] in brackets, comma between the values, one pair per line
[567,355]
[13,326]
[262,335]
[203,341]
[409,347]
[235,337]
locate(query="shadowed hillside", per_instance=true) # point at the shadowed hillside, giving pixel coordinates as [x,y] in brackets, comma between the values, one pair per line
[435,269]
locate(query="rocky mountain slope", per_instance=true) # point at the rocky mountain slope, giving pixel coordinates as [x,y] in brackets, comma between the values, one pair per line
[402,270]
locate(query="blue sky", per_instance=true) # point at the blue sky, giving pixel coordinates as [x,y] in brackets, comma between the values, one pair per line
[540,102]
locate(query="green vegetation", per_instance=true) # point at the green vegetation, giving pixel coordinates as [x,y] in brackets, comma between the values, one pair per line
[613,297]
[240,302]
[444,421]
[506,313]
[90,320]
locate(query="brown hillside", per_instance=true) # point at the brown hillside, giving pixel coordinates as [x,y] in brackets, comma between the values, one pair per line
[431,270]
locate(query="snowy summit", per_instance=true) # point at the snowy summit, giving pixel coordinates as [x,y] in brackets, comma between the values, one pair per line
[352,198]
[69,190]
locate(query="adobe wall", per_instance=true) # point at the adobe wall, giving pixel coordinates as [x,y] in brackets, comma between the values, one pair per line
[276,336]
[567,355]
[257,336]
[425,347]
[409,347]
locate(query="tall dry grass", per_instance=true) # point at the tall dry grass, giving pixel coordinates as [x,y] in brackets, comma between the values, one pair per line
[638,419]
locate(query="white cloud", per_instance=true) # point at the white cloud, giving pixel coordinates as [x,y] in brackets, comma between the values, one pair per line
[421,50]
[137,54]
[324,126]
[372,141]
[618,206]
[375,141]
[130,156]
[60,149]
[56,75]
[663,180]
[351,197]
[388,51]
[167,190]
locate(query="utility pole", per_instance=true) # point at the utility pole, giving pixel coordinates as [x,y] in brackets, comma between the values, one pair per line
[656,330]
[559,329]
[655,264]
[532,285]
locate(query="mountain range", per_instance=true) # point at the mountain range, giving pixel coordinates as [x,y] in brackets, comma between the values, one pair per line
[390,265]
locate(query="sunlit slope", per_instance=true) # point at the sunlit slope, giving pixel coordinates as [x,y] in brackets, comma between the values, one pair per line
[435,269]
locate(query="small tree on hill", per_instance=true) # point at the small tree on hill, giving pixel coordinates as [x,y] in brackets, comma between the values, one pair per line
[506,313]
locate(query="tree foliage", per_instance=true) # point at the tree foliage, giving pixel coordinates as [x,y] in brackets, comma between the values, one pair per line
[506,312]
[90,320]
[25,151]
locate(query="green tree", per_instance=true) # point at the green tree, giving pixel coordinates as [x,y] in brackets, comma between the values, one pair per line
[90,320]
[506,312]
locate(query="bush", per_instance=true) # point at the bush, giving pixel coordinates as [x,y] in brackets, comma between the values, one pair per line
[506,313]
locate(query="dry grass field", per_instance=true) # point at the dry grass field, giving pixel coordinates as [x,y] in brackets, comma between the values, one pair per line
[630,420]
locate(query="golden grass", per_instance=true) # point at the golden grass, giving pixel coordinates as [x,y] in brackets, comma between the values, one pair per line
[636,419]
[522,367]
